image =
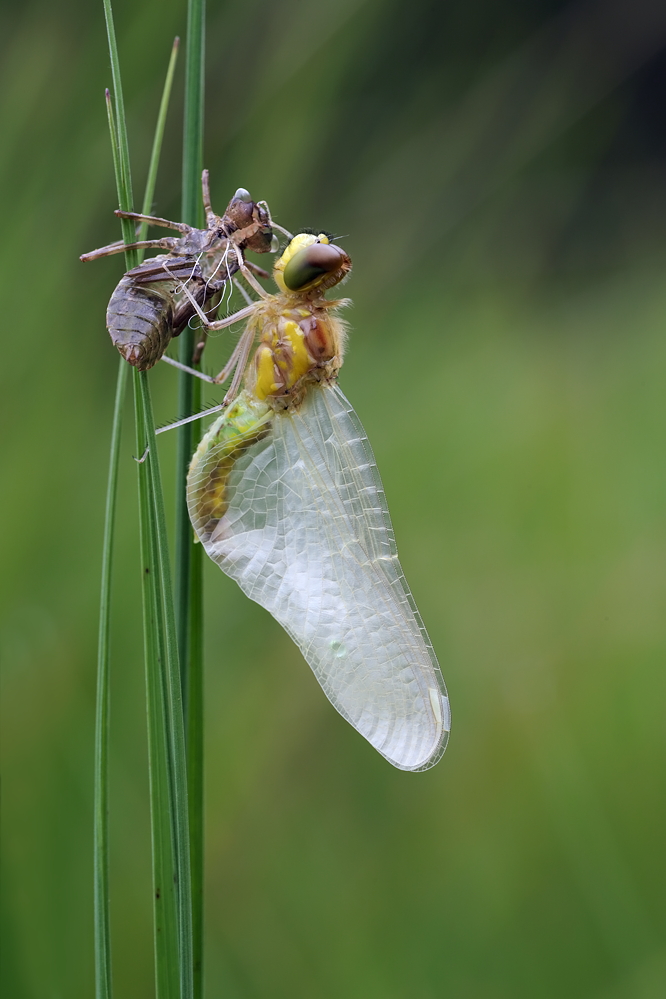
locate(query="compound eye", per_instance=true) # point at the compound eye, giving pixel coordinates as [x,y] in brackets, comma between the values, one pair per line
[311,263]
[242,195]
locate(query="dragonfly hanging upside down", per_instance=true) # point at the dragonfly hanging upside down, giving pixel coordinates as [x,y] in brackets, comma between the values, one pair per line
[284,494]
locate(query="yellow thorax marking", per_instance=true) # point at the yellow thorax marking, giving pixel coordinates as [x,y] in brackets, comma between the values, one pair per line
[288,353]
[266,384]
[300,360]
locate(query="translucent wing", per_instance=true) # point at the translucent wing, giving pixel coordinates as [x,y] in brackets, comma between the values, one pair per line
[306,533]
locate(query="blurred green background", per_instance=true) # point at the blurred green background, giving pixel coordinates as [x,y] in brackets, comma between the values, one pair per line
[500,172]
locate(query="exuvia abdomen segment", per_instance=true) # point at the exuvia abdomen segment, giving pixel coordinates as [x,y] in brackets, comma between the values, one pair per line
[140,321]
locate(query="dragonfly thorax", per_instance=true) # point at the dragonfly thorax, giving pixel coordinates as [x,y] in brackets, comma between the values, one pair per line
[300,345]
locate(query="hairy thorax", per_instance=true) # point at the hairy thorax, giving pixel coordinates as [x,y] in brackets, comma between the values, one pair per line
[301,342]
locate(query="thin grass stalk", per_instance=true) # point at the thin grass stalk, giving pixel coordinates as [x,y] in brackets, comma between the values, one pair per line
[169,818]
[151,180]
[102,916]
[173,704]
[195,754]
[102,932]
[164,907]
[189,562]
[188,387]
[189,394]
[165,902]
[167,965]
[121,159]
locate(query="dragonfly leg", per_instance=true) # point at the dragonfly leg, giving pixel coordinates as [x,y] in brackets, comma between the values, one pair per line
[239,350]
[189,419]
[273,224]
[154,220]
[285,232]
[167,243]
[218,324]
[241,289]
[200,346]
[256,269]
[190,371]
[236,364]
[247,274]
[238,360]
[238,353]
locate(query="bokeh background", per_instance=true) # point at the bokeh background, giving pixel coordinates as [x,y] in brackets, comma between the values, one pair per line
[498,171]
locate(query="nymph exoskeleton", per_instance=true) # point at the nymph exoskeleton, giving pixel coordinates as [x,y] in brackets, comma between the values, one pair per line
[154,302]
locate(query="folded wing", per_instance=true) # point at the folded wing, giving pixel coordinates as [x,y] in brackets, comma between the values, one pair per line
[306,533]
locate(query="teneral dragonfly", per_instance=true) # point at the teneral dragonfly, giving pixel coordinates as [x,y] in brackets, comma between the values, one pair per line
[285,496]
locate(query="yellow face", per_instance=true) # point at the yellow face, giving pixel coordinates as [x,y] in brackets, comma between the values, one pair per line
[310,263]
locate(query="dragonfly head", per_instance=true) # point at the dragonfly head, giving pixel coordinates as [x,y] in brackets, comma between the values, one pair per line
[310,264]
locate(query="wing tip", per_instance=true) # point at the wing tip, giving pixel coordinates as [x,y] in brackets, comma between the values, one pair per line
[434,755]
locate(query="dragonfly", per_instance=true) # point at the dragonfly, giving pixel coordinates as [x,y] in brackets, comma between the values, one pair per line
[148,307]
[284,495]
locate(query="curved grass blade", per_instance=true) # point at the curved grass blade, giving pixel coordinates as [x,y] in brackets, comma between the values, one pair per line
[166,737]
[101,848]
[165,902]
[102,935]
[172,705]
[157,141]
[103,982]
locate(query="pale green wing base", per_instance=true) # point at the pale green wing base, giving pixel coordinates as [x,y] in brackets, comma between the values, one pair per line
[307,535]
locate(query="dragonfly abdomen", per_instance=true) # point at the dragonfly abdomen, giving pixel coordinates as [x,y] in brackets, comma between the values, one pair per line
[245,423]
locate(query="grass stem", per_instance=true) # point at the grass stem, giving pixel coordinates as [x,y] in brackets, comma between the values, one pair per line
[189,568]
[151,180]
[167,762]
[103,983]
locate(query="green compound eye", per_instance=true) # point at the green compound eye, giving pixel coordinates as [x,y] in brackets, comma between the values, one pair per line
[242,195]
[311,263]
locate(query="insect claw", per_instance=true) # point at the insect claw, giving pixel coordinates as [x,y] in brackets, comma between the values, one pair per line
[143,457]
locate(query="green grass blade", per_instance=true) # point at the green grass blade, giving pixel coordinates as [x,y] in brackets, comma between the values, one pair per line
[124,176]
[169,818]
[193,126]
[102,933]
[165,904]
[173,704]
[194,734]
[151,180]
[103,985]
[189,568]
[113,135]
[189,392]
